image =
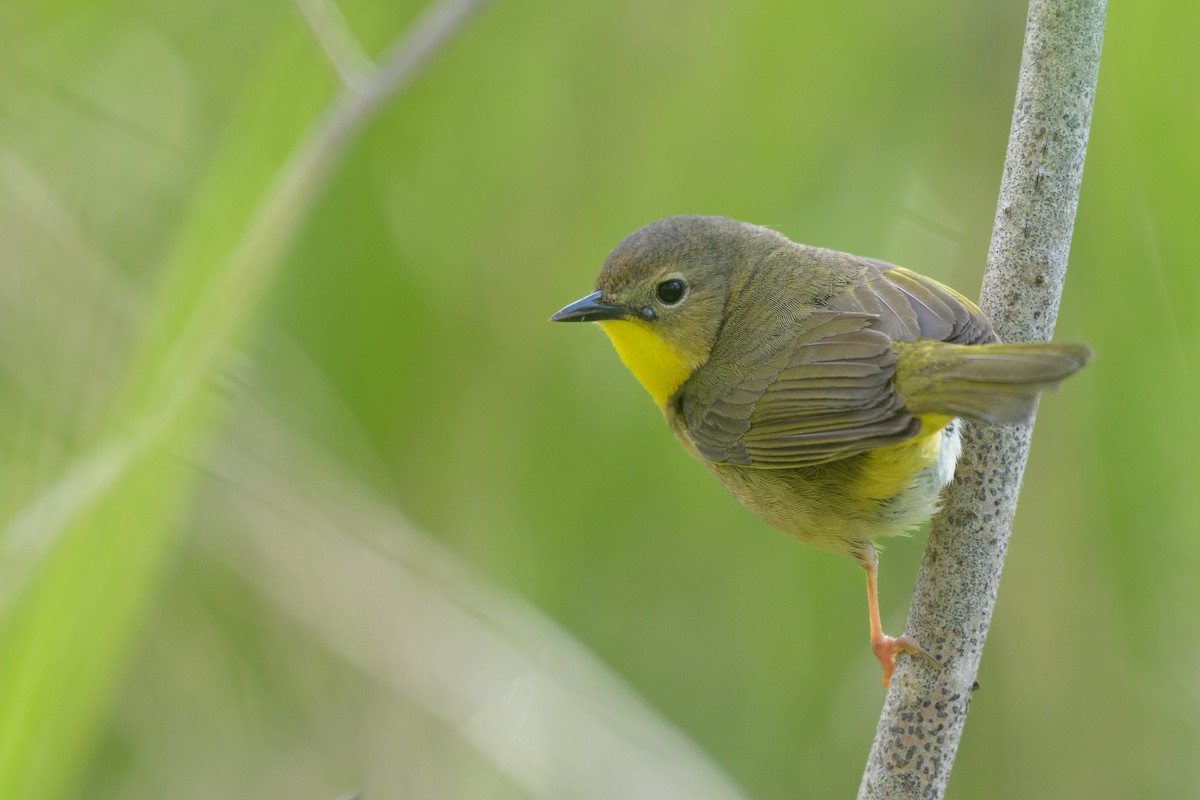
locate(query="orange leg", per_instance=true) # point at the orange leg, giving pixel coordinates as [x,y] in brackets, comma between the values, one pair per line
[886,647]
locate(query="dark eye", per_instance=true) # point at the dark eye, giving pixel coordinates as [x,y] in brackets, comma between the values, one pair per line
[671,292]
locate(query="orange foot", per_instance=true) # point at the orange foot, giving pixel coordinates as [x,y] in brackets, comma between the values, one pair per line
[886,648]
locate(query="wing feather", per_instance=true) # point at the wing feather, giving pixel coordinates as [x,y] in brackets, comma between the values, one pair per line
[796,392]
[824,394]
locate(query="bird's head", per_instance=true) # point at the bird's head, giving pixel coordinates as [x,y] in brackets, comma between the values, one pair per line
[662,294]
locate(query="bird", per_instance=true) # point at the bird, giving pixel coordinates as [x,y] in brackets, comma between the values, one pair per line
[824,391]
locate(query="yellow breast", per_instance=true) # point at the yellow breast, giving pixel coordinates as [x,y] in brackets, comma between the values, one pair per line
[658,366]
[892,469]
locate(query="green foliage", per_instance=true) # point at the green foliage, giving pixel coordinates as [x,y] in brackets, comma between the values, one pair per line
[176,418]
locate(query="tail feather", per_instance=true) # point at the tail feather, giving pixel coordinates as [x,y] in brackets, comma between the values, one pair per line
[996,383]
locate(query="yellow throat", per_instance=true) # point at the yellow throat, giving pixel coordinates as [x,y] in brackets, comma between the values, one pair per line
[660,367]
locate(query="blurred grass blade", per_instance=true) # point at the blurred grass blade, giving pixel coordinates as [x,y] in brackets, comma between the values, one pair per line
[329,26]
[84,553]
[405,610]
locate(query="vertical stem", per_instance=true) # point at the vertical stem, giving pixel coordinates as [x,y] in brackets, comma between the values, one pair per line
[924,713]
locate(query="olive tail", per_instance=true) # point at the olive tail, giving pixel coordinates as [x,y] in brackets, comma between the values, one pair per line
[997,383]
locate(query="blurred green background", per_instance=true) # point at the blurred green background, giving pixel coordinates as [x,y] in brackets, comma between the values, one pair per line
[373,524]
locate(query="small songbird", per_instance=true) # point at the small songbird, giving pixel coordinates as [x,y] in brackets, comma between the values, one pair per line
[823,390]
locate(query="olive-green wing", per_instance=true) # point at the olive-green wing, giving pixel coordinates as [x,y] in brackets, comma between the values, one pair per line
[911,307]
[823,393]
[821,388]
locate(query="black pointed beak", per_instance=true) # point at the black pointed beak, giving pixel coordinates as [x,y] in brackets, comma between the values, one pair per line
[590,309]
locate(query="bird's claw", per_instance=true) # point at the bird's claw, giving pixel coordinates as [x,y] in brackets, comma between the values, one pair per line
[886,649]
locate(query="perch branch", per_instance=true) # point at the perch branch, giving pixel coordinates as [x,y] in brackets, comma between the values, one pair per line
[924,712]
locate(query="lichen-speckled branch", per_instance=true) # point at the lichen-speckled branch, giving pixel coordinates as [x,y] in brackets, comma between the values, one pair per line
[923,715]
